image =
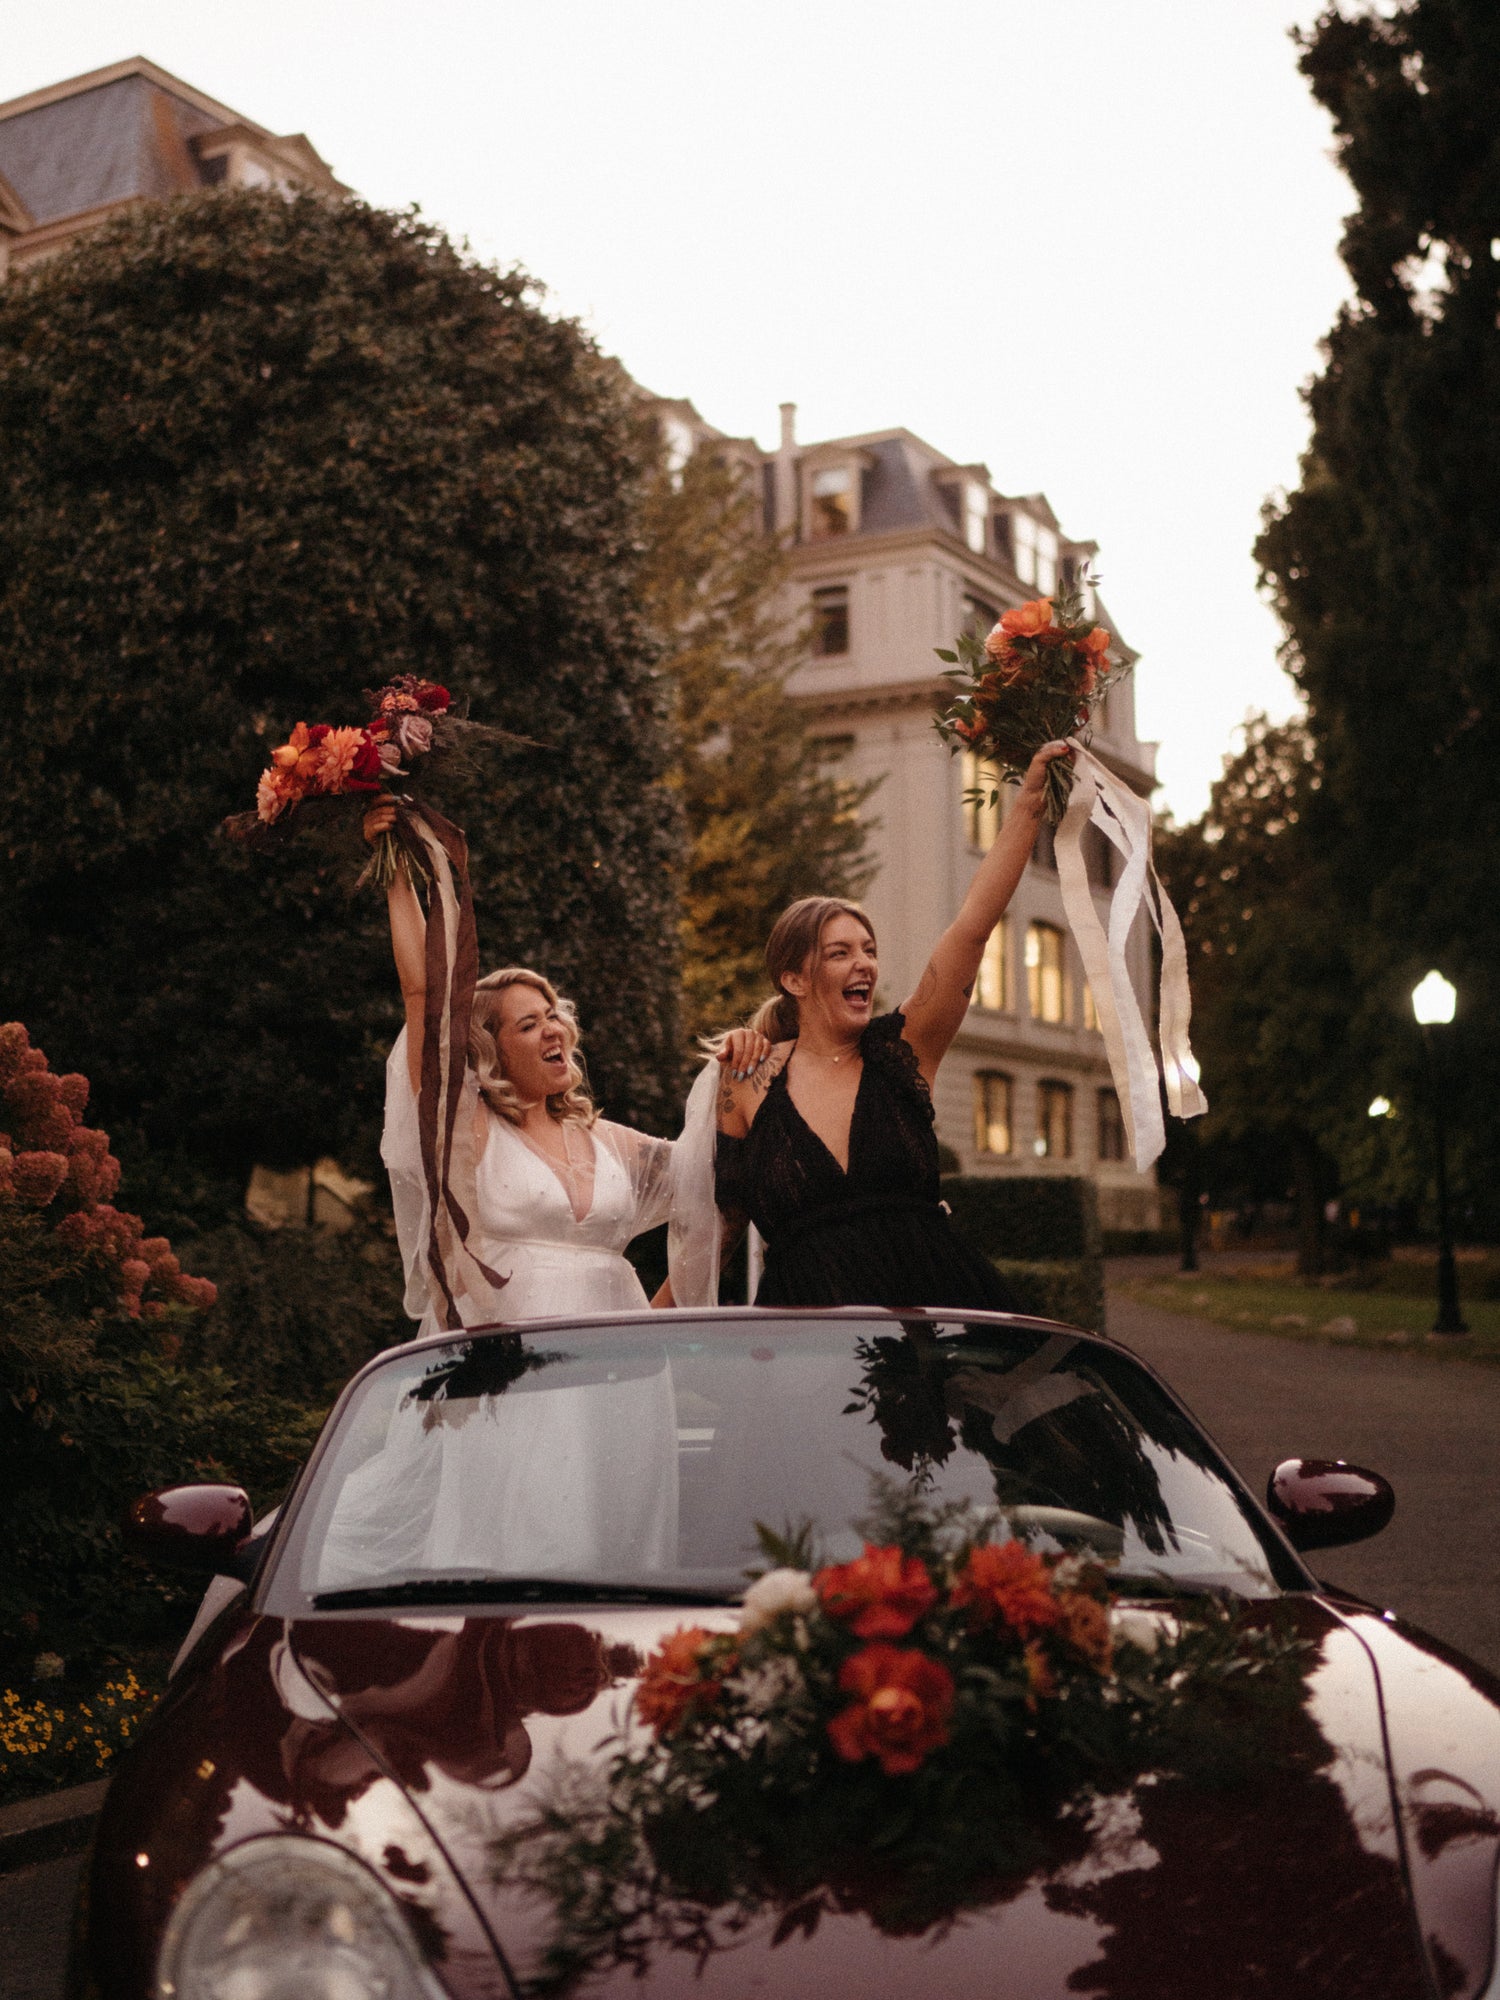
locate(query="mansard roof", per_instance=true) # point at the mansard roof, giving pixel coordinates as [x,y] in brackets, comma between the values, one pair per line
[128,132]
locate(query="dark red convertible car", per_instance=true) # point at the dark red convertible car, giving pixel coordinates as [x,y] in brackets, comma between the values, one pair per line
[455,1600]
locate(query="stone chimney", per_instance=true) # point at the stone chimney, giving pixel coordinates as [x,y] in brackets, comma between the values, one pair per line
[786,471]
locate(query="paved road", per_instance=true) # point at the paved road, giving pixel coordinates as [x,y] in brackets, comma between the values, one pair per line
[1431,1426]
[36,1907]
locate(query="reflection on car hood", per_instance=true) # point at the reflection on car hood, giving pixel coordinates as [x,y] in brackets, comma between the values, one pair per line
[1293,1886]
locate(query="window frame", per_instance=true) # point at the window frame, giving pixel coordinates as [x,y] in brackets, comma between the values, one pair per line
[1040,930]
[1053,1090]
[984,1123]
[835,598]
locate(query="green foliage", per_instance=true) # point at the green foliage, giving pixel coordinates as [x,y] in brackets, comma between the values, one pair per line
[299,1310]
[1384,564]
[259,454]
[1037,1217]
[1072,1292]
[767,819]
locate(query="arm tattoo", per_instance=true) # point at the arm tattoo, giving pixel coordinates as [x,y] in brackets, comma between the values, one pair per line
[726,1098]
[766,1072]
[926,987]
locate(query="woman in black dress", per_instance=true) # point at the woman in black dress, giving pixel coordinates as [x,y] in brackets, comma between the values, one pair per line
[828,1147]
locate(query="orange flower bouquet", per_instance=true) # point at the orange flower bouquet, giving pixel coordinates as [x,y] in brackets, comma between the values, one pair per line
[906,1734]
[413,733]
[1034,678]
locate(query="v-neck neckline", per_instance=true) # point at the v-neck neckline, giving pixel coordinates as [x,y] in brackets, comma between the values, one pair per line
[537,1153]
[783,1076]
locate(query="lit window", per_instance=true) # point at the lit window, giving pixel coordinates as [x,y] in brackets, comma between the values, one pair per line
[981,781]
[1111,1127]
[830,627]
[1090,1011]
[1054,1121]
[1046,973]
[976,517]
[1034,550]
[989,987]
[992,1124]
[832,502]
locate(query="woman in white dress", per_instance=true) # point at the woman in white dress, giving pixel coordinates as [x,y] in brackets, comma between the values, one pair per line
[559,1191]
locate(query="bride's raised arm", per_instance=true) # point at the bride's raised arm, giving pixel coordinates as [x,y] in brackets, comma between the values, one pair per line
[409,943]
[935,1012]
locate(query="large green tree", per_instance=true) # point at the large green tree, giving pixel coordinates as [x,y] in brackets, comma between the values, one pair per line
[1385,562]
[255,455]
[768,815]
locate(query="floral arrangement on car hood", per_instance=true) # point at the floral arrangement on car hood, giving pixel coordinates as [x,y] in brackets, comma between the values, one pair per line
[904,1734]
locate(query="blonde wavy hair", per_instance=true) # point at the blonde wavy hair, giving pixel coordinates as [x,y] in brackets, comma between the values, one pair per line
[572,1106]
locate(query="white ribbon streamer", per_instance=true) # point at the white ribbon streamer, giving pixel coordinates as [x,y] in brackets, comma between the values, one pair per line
[1099,798]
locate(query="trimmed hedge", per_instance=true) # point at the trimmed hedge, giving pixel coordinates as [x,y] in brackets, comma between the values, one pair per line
[1041,1232]
[1073,1292]
[1041,1218]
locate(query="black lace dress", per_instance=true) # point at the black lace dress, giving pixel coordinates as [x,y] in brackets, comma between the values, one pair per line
[877,1235]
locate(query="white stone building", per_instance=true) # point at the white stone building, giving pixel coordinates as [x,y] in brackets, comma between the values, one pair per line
[895,549]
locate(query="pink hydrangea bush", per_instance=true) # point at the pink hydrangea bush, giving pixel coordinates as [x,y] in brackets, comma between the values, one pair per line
[62,1171]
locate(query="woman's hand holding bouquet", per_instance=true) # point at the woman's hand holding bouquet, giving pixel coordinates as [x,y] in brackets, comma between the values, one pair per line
[1034,679]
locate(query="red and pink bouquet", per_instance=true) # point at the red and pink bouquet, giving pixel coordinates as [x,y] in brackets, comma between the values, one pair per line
[1034,678]
[413,732]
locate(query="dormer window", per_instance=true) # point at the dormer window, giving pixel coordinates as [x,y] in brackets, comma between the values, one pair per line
[1034,551]
[831,492]
[976,517]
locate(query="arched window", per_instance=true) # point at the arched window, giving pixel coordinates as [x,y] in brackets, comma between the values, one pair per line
[990,986]
[1111,1127]
[1054,1121]
[992,1120]
[1046,973]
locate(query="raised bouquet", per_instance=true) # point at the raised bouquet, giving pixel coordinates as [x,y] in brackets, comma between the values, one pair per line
[907,1734]
[1033,679]
[414,732]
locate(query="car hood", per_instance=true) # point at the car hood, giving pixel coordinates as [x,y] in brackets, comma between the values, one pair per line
[1296,1884]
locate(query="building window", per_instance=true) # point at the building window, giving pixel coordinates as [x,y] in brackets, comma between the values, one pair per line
[981,784]
[992,1123]
[832,495]
[978,617]
[1098,857]
[976,517]
[830,621]
[989,987]
[1090,1011]
[1111,1127]
[1034,552]
[1046,973]
[1054,1121]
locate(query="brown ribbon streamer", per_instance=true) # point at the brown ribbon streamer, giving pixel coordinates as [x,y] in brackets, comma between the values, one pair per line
[441,853]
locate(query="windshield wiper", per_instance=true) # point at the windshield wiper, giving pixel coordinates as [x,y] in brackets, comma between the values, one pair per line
[516,1590]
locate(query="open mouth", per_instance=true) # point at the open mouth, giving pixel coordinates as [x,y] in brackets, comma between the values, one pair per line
[857,993]
[556,1059]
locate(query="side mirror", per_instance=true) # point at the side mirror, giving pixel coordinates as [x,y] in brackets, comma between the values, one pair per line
[1322,1503]
[193,1528]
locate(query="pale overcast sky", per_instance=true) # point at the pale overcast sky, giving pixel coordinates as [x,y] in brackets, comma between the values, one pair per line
[1092,243]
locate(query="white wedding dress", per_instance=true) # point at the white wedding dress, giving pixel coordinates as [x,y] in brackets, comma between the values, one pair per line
[556,1259]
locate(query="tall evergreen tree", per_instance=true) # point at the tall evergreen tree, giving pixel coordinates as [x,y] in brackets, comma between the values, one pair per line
[768,818]
[1385,562]
[255,455]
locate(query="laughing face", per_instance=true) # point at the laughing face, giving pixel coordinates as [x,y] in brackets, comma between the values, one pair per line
[533,1040]
[836,989]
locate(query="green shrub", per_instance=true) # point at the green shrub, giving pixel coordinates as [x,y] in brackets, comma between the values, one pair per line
[1042,1218]
[1072,1291]
[1141,1242]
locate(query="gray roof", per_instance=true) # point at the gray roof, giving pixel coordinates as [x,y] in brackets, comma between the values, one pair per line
[125,138]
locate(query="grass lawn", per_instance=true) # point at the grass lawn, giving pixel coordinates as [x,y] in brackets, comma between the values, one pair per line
[1396,1311]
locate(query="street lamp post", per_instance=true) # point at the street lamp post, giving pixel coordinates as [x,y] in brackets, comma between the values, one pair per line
[1433,1001]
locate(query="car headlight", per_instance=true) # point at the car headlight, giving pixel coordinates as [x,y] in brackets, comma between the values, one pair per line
[284,1918]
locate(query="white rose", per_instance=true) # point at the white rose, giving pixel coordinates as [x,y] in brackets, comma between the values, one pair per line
[777,1591]
[1135,1628]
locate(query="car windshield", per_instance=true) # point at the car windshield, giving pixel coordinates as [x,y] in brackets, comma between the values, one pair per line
[638,1458]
